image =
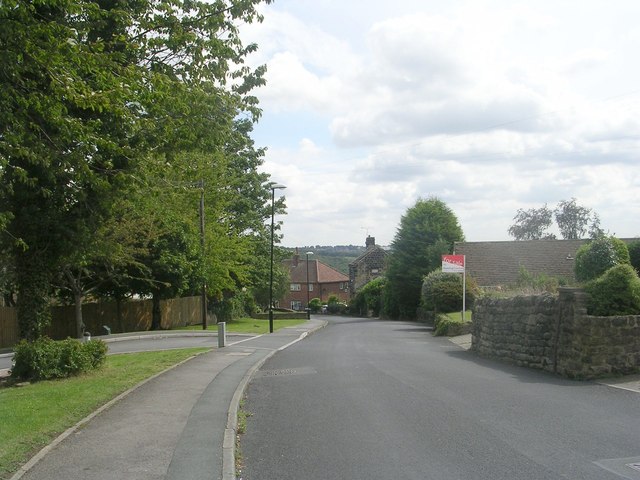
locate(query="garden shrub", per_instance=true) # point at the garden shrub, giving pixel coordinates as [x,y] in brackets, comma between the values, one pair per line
[598,256]
[445,325]
[442,292]
[369,298]
[315,305]
[46,359]
[617,292]
[529,283]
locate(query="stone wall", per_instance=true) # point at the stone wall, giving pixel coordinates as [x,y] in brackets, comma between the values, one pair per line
[556,334]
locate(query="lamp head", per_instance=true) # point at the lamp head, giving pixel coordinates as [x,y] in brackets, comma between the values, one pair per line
[277,186]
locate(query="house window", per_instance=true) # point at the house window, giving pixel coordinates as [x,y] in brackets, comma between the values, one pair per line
[375,270]
[341,285]
[311,287]
[296,305]
[295,287]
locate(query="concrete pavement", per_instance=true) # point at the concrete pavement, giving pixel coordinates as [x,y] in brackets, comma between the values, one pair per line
[180,424]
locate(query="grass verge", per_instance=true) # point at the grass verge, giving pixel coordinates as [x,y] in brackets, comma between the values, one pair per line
[243,414]
[34,414]
[451,324]
[250,325]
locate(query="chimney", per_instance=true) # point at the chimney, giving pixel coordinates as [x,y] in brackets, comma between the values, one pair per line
[370,242]
[296,258]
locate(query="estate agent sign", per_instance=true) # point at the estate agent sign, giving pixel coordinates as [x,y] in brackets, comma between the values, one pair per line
[455,264]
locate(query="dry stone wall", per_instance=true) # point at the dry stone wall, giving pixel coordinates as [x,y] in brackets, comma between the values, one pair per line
[556,334]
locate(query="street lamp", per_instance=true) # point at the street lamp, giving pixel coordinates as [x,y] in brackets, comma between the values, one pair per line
[308,309]
[273,187]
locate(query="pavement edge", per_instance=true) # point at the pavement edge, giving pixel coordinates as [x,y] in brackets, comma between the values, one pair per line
[230,433]
[43,452]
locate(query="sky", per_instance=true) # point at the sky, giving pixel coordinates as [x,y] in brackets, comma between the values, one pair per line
[490,106]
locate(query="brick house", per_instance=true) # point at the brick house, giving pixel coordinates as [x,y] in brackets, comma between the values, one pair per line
[494,264]
[324,281]
[368,266]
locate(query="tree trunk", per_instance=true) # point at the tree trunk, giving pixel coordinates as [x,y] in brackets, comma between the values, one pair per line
[33,284]
[78,298]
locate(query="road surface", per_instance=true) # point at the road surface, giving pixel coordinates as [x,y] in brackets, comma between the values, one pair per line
[369,399]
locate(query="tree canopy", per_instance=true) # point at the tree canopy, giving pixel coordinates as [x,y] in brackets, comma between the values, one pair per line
[109,110]
[574,222]
[426,232]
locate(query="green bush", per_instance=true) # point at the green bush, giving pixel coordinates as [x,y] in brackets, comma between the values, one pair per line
[315,304]
[617,292]
[446,325]
[634,254]
[46,359]
[527,282]
[442,292]
[598,256]
[337,308]
[369,298]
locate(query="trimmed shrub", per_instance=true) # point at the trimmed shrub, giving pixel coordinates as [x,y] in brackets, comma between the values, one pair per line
[315,304]
[448,326]
[598,256]
[442,292]
[46,359]
[617,292]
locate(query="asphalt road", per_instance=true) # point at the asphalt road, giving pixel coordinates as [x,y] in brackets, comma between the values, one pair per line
[369,399]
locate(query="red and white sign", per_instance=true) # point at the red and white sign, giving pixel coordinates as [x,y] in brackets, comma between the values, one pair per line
[453,263]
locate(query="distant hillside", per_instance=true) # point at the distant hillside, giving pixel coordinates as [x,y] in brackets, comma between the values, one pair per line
[337,257]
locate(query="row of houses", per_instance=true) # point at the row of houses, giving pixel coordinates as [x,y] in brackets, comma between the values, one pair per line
[491,264]
[309,278]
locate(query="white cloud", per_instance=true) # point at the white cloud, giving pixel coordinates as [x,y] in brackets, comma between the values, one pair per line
[491,106]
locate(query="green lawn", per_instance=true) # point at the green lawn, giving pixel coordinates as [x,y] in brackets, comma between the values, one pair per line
[250,325]
[33,415]
[457,316]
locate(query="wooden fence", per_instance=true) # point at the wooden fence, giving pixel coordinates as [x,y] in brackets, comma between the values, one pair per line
[120,317]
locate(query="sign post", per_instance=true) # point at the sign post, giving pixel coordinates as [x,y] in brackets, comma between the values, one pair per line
[456,264]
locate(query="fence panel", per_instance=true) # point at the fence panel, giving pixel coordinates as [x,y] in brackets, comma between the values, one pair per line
[181,312]
[120,317]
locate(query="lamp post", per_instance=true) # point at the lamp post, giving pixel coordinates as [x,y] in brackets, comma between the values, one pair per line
[273,187]
[308,289]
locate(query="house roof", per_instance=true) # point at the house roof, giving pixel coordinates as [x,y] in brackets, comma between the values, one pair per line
[374,251]
[318,272]
[498,263]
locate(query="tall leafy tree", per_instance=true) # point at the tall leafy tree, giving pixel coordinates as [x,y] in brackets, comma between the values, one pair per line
[575,221]
[532,224]
[427,230]
[88,91]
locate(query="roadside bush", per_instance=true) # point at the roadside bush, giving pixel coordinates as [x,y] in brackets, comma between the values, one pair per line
[337,308]
[315,304]
[46,359]
[446,325]
[617,292]
[598,256]
[442,292]
[369,298]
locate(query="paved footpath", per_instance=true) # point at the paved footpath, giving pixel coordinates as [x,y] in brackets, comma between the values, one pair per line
[179,425]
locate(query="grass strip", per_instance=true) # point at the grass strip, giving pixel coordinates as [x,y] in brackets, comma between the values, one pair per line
[31,416]
[250,325]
